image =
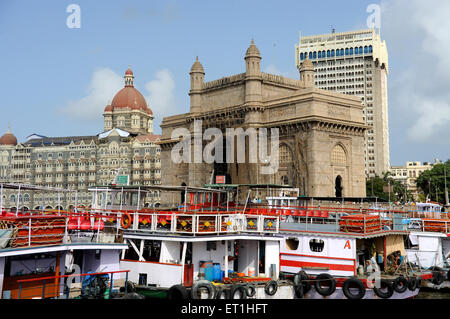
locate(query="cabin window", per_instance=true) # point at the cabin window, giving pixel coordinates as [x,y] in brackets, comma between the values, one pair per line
[316,245]
[211,245]
[292,243]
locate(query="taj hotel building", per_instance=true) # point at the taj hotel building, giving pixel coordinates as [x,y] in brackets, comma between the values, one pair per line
[126,146]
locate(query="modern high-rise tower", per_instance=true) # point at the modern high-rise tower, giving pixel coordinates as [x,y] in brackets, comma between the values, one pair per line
[355,63]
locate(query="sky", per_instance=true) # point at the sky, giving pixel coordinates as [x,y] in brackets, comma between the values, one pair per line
[56,80]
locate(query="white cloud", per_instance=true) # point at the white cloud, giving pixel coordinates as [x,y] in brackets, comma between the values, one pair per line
[419,90]
[161,98]
[105,83]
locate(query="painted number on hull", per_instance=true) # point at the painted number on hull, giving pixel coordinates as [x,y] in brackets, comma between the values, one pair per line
[347,244]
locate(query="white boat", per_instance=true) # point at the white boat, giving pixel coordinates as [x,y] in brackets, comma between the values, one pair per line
[429,242]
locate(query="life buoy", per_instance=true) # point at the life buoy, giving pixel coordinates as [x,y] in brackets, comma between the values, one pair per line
[438,277]
[251,290]
[125,224]
[238,290]
[271,288]
[177,292]
[412,283]
[354,283]
[195,290]
[400,284]
[327,290]
[384,284]
[222,293]
[302,278]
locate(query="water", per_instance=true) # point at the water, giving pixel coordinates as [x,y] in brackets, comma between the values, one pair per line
[433,294]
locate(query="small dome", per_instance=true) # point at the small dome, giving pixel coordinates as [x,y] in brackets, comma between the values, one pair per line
[108,108]
[128,72]
[307,65]
[252,50]
[197,67]
[8,139]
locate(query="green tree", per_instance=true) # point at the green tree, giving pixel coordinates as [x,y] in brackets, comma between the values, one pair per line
[376,187]
[432,182]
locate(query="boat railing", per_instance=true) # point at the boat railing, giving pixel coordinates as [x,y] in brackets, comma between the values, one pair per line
[43,228]
[66,287]
[334,219]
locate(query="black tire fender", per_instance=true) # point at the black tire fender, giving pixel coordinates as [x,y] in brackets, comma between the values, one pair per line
[203,284]
[412,283]
[325,291]
[271,288]
[384,283]
[400,284]
[302,278]
[222,293]
[354,283]
[177,292]
[238,288]
[251,290]
[438,277]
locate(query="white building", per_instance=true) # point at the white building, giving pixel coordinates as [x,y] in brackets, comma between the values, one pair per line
[355,63]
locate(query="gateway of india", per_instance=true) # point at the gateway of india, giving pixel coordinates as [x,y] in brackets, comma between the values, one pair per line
[321,133]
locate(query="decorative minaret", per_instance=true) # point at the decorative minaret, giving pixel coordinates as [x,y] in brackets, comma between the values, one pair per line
[197,79]
[129,77]
[253,76]
[307,74]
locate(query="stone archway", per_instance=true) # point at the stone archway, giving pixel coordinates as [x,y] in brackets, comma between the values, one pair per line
[338,186]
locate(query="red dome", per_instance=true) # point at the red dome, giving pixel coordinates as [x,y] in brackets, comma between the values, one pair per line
[128,72]
[108,108]
[131,98]
[8,139]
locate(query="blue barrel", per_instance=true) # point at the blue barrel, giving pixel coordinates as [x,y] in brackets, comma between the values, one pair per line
[216,271]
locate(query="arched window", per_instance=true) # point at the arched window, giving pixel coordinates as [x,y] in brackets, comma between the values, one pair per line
[351,51]
[12,198]
[356,50]
[337,52]
[301,56]
[342,52]
[370,49]
[314,55]
[285,154]
[360,50]
[319,55]
[328,53]
[284,180]
[366,49]
[310,55]
[346,51]
[332,53]
[338,155]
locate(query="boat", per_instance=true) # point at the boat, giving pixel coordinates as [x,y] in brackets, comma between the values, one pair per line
[202,248]
[57,254]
